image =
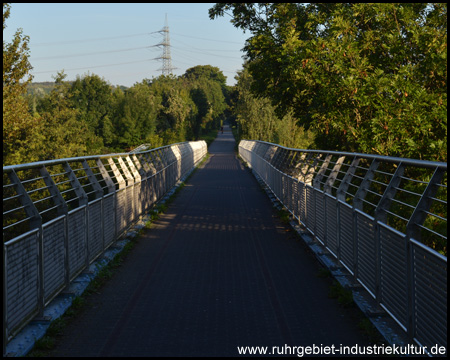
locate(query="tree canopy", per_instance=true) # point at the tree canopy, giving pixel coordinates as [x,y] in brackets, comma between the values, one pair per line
[358,77]
[366,77]
[18,124]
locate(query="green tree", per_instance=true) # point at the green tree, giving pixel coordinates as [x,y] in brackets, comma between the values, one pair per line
[200,100]
[367,77]
[62,133]
[134,118]
[92,96]
[18,124]
[206,71]
[258,120]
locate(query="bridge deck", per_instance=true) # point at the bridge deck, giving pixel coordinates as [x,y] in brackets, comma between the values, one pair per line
[217,271]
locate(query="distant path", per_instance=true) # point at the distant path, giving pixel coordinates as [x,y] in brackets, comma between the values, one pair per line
[217,271]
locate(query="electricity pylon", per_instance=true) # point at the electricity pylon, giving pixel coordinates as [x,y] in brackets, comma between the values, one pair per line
[166,58]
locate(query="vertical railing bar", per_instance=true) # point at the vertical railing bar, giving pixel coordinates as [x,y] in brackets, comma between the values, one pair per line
[321,172]
[92,179]
[79,191]
[25,199]
[117,174]
[54,191]
[5,305]
[365,184]
[109,182]
[333,176]
[418,216]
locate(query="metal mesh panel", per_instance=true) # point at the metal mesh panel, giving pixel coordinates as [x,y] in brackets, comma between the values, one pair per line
[332,225]
[137,200]
[121,210]
[346,238]
[158,187]
[53,239]
[295,197]
[129,206]
[76,229]
[405,196]
[310,214]
[284,190]
[320,215]
[291,194]
[108,220]
[393,272]
[430,306]
[22,282]
[95,238]
[302,202]
[145,194]
[267,173]
[153,189]
[57,196]
[367,256]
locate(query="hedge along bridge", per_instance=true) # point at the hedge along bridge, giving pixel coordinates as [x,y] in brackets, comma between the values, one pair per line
[375,214]
[61,215]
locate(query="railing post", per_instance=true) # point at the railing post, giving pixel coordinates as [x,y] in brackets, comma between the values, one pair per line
[5,308]
[333,175]
[137,181]
[413,231]
[28,205]
[117,174]
[381,215]
[343,187]
[341,197]
[365,184]
[82,200]
[111,190]
[320,174]
[105,175]
[35,222]
[420,212]
[92,180]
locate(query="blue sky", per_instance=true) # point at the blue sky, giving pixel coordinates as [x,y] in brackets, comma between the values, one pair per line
[116,41]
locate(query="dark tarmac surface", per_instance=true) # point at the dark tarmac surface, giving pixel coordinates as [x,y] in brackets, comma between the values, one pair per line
[216,272]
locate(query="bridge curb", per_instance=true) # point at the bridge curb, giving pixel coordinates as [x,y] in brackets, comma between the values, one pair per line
[386,326]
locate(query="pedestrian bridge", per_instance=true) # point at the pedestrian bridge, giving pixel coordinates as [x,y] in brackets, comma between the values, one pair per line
[217,271]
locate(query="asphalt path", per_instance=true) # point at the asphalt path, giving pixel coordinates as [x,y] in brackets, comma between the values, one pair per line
[216,272]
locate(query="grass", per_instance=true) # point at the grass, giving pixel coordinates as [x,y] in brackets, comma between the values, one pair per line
[343,295]
[284,216]
[373,335]
[210,136]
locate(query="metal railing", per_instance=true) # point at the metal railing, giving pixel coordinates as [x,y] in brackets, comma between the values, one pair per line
[379,216]
[60,215]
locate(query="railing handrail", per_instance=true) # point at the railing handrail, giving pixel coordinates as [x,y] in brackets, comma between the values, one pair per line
[331,195]
[37,164]
[58,218]
[391,159]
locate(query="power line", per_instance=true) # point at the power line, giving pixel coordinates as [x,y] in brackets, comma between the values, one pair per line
[94,53]
[195,50]
[166,56]
[215,40]
[92,67]
[127,36]
[91,40]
